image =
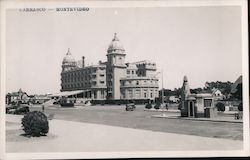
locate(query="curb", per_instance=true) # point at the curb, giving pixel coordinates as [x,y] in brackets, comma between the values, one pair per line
[197,119]
[152,110]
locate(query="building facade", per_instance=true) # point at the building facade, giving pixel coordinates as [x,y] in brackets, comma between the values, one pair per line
[113,79]
[196,105]
[17,97]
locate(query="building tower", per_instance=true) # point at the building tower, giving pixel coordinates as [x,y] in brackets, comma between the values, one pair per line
[68,62]
[116,68]
[185,91]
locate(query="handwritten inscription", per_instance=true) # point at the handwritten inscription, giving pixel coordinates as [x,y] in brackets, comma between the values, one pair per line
[69,9]
[62,9]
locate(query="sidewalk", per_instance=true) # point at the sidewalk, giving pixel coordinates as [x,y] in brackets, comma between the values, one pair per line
[68,136]
[162,110]
[214,119]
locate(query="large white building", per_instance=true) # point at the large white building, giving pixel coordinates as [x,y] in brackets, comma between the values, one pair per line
[113,79]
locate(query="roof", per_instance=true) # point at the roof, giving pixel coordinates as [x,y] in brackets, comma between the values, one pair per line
[17,93]
[115,44]
[67,93]
[191,98]
[214,90]
[87,67]
[138,78]
[144,62]
[68,58]
[236,83]
[204,95]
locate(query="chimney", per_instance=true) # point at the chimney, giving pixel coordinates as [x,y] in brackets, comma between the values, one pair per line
[83,62]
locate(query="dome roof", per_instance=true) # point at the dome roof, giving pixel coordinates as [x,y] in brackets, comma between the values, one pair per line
[68,58]
[115,44]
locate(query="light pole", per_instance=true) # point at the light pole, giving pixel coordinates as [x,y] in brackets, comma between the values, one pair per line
[162,93]
[152,79]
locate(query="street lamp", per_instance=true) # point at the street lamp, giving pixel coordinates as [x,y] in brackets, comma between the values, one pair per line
[162,94]
[152,79]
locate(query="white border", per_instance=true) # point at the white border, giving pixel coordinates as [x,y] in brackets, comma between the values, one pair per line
[108,4]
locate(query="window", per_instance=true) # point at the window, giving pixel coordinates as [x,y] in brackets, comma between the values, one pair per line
[137,82]
[130,93]
[102,82]
[207,102]
[151,94]
[128,72]
[145,95]
[101,75]
[95,94]
[137,93]
[102,94]
[132,72]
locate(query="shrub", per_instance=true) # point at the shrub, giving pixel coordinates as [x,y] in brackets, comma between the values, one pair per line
[148,106]
[35,124]
[240,107]
[220,106]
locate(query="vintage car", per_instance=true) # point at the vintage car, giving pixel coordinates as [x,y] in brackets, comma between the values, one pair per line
[18,109]
[10,108]
[23,109]
[130,107]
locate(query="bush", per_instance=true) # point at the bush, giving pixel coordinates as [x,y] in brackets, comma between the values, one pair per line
[35,124]
[220,106]
[148,106]
[240,107]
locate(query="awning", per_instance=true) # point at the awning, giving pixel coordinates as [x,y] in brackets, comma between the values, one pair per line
[68,93]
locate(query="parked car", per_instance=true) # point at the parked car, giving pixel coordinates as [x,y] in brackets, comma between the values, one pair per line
[23,109]
[157,106]
[148,106]
[10,108]
[17,109]
[130,107]
[56,103]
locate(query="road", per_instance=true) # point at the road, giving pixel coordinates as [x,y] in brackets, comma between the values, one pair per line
[140,119]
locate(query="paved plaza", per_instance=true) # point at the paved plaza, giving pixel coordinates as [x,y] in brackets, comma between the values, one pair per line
[140,119]
[111,128]
[69,136]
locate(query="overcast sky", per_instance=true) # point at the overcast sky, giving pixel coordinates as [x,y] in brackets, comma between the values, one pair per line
[203,43]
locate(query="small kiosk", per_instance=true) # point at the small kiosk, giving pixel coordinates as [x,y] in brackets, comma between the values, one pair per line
[196,105]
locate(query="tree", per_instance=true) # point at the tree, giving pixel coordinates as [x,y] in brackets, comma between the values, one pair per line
[224,87]
[240,107]
[196,90]
[220,106]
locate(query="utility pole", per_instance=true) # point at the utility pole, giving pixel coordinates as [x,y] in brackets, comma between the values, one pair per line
[156,75]
[162,92]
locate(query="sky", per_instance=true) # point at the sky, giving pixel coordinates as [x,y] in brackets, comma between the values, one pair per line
[203,43]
